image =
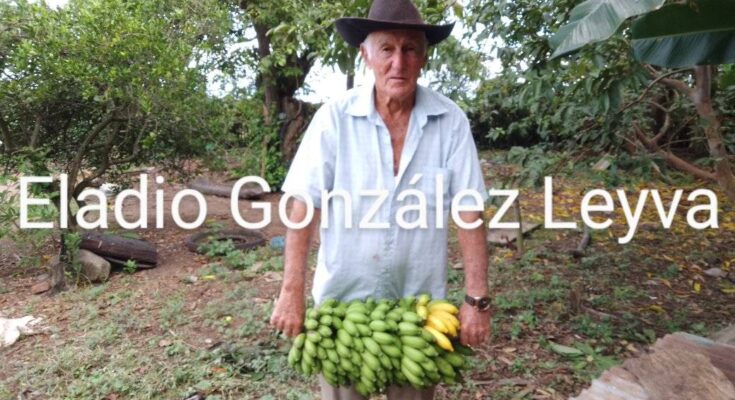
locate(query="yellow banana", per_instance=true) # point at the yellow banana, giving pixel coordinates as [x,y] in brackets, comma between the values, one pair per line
[422,312]
[436,323]
[451,329]
[447,318]
[444,306]
[441,339]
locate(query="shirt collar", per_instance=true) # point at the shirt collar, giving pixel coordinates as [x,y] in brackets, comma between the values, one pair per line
[427,104]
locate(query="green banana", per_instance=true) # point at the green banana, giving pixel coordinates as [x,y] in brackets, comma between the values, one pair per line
[311,324]
[416,342]
[358,344]
[371,361]
[408,328]
[383,338]
[412,366]
[321,353]
[344,337]
[313,336]
[332,355]
[350,327]
[298,341]
[414,379]
[445,367]
[455,359]
[415,355]
[430,351]
[357,317]
[310,348]
[325,320]
[327,343]
[393,351]
[410,316]
[379,326]
[372,346]
[294,356]
[368,372]
[342,350]
[364,330]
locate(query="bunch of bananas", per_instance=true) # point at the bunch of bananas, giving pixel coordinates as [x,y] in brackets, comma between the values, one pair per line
[372,344]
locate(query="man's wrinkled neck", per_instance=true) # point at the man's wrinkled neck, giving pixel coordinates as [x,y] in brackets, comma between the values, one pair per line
[392,106]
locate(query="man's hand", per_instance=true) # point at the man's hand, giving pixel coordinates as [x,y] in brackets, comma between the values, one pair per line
[475,325]
[288,315]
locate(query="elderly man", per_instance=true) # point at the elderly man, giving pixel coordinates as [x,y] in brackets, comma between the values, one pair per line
[390,137]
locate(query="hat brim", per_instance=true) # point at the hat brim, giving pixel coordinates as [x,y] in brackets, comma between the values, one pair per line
[355,30]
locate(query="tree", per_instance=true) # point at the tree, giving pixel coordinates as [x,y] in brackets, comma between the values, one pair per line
[694,35]
[97,86]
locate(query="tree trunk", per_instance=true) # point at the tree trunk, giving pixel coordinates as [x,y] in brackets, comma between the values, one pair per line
[58,280]
[6,147]
[267,81]
[350,80]
[701,97]
[120,248]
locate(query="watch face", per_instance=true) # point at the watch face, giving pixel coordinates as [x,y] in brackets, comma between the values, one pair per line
[483,304]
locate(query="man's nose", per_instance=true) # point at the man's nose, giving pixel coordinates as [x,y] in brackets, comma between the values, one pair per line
[399,60]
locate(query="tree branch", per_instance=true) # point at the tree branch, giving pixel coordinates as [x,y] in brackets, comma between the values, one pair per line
[101,169]
[667,122]
[656,79]
[678,85]
[91,136]
[136,147]
[672,159]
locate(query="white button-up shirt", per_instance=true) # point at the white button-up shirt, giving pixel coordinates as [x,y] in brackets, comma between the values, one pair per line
[347,150]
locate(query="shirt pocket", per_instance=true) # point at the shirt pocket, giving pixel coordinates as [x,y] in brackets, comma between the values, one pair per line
[430,176]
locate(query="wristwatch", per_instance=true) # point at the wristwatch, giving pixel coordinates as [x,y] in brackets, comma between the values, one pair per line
[480,303]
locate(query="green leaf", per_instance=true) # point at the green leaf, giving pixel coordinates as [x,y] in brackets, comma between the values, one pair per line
[596,20]
[727,77]
[681,36]
[565,350]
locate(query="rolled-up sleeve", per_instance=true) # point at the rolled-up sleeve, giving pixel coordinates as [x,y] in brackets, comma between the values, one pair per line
[464,163]
[312,169]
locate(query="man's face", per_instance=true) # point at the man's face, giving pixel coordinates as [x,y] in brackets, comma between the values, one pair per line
[396,58]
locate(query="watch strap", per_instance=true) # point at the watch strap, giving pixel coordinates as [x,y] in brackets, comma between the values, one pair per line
[477,302]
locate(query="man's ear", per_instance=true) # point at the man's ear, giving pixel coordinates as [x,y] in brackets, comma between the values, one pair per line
[364,54]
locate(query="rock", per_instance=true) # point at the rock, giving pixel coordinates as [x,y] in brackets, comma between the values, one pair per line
[726,336]
[41,287]
[602,164]
[715,273]
[458,266]
[42,277]
[94,267]
[273,276]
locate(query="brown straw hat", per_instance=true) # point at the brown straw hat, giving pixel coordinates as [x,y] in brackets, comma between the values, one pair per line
[388,15]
